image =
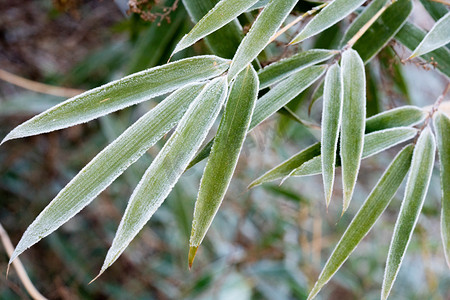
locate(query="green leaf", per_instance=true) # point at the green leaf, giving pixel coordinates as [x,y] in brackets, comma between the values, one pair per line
[258,5]
[223,13]
[437,37]
[416,190]
[265,26]
[168,166]
[368,214]
[383,30]
[330,15]
[281,69]
[122,93]
[273,101]
[435,9]
[410,36]
[442,129]
[353,120]
[231,33]
[331,122]
[108,165]
[225,153]
[374,143]
[398,117]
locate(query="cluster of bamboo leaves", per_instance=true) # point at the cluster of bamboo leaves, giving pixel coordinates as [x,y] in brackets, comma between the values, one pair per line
[201,87]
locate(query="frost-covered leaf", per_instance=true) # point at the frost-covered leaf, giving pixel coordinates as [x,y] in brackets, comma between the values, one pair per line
[410,36]
[330,15]
[401,116]
[438,36]
[415,192]
[366,217]
[108,165]
[442,129]
[224,155]
[265,26]
[331,122]
[122,93]
[353,120]
[222,13]
[281,69]
[309,162]
[168,165]
[374,143]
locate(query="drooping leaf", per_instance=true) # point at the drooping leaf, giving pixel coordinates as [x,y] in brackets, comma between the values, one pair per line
[168,166]
[442,129]
[122,93]
[438,36]
[225,153]
[410,36]
[353,120]
[274,100]
[401,116]
[108,165]
[310,162]
[383,30]
[231,33]
[331,122]
[416,190]
[281,69]
[368,214]
[330,15]
[221,14]
[374,143]
[265,26]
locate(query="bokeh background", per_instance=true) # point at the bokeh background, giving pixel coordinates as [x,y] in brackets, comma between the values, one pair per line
[266,243]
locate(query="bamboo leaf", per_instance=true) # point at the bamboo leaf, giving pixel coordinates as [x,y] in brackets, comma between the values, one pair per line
[281,69]
[330,15]
[438,36]
[259,4]
[401,116]
[374,143]
[108,165]
[368,214]
[442,129]
[331,122]
[383,30]
[168,166]
[410,36]
[416,190]
[265,26]
[353,120]
[221,14]
[122,93]
[435,9]
[225,153]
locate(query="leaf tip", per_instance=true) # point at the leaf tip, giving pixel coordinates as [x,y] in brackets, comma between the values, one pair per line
[96,277]
[191,256]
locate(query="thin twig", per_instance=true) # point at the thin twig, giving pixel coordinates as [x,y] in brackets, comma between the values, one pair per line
[17,264]
[37,86]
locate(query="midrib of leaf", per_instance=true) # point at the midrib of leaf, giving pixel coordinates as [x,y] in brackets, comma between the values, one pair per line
[108,165]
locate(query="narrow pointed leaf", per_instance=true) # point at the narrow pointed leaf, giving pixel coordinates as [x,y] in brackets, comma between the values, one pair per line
[281,69]
[353,120]
[410,36]
[265,26]
[259,4]
[374,143]
[222,13]
[168,166]
[331,122]
[442,128]
[437,37]
[401,116]
[368,214]
[108,165]
[415,192]
[435,9]
[122,93]
[225,152]
[330,15]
